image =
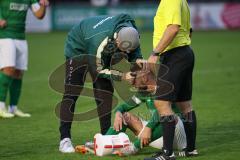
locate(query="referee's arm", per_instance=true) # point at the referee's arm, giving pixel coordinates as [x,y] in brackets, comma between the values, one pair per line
[171,13]
[168,36]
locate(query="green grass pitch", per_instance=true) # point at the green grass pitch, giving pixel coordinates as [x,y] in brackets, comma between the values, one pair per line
[216,100]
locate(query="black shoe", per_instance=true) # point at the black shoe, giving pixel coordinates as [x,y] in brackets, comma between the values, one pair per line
[185,153]
[161,156]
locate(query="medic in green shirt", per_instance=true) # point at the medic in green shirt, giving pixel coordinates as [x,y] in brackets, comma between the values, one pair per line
[93,46]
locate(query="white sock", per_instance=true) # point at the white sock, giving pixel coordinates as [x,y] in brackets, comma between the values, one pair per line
[2,105]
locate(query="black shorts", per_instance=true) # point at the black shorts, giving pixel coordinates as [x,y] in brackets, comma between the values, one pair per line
[174,81]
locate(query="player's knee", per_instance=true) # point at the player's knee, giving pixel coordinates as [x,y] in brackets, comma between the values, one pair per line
[165,104]
[164,107]
[185,107]
[156,104]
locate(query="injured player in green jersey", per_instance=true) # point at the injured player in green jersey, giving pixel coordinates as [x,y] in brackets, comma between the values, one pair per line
[125,120]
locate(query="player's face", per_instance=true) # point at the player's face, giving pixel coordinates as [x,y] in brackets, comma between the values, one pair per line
[145,82]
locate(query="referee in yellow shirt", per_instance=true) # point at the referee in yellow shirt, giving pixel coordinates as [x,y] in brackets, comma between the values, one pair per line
[172,37]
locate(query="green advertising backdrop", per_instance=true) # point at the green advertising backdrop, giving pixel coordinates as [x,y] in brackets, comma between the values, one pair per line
[65,16]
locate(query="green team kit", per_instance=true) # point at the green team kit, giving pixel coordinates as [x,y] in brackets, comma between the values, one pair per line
[13,51]
[14,12]
[153,122]
[96,37]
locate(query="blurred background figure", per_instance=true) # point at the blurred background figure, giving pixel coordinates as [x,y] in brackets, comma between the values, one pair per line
[14,51]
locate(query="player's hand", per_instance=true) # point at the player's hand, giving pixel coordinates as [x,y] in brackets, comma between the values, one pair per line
[128,77]
[3,23]
[152,61]
[145,137]
[118,122]
[142,63]
[44,3]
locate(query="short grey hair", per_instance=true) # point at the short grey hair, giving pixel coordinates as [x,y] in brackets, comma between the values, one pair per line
[128,38]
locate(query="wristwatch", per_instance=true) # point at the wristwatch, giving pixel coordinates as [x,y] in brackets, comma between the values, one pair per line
[155,53]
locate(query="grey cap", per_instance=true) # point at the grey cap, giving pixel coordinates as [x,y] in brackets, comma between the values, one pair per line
[128,39]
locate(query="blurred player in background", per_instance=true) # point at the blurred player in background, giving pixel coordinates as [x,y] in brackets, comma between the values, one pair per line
[93,46]
[172,30]
[14,50]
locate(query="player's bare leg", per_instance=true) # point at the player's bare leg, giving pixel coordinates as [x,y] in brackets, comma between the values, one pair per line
[133,122]
[137,125]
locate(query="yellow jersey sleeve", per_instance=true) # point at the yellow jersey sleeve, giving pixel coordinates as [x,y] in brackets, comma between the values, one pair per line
[172,12]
